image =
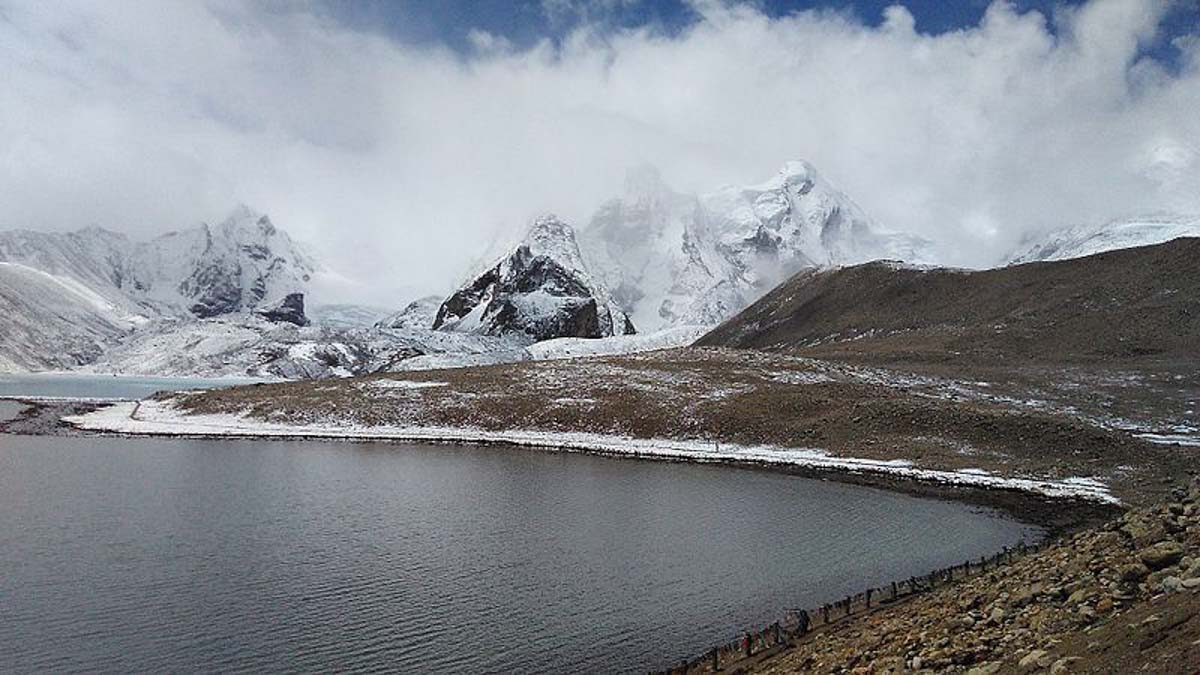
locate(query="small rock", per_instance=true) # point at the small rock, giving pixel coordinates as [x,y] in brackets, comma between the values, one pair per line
[1086,614]
[987,668]
[1153,618]
[1141,531]
[964,623]
[1192,583]
[1172,584]
[1162,554]
[1081,595]
[1035,660]
[1133,572]
[1104,605]
[1063,665]
[997,615]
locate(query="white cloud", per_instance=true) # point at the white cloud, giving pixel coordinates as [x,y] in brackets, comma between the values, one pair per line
[400,163]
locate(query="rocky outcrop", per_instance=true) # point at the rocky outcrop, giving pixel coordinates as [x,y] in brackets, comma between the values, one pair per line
[542,290]
[288,310]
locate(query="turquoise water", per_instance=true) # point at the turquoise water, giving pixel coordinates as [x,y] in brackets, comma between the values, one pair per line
[70,385]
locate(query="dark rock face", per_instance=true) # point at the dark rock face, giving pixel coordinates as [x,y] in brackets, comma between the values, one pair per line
[215,291]
[541,291]
[288,310]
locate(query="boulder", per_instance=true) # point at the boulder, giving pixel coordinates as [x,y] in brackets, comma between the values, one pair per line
[288,310]
[1162,554]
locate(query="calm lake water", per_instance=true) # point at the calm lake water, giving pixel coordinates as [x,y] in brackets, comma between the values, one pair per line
[199,555]
[70,385]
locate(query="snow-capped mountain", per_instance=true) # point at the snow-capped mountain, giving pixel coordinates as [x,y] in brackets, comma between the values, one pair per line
[213,270]
[69,297]
[203,271]
[1085,240]
[678,259]
[542,290]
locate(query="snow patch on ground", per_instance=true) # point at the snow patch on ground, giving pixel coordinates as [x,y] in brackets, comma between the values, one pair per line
[562,348]
[404,384]
[153,417]
[1172,439]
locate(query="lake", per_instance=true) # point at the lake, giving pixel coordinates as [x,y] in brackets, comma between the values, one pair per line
[204,555]
[103,387]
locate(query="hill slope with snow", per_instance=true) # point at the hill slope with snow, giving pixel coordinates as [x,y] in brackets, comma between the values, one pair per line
[1126,304]
[1077,242]
[53,322]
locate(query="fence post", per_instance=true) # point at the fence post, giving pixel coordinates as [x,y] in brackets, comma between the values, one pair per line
[749,645]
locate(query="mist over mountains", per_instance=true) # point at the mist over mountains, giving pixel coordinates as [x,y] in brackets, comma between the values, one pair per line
[234,298]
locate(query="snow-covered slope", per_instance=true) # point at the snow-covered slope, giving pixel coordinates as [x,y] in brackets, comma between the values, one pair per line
[679,259]
[419,313]
[542,290]
[568,348]
[236,345]
[92,258]
[346,316]
[1085,240]
[53,322]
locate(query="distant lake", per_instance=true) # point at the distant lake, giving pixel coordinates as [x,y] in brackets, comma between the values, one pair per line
[109,387]
[178,555]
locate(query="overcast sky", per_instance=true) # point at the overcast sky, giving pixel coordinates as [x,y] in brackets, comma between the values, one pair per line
[399,138]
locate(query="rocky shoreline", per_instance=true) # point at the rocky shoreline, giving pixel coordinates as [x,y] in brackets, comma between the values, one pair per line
[1120,597]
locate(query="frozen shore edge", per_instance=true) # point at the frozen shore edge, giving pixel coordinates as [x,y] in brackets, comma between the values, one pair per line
[161,418]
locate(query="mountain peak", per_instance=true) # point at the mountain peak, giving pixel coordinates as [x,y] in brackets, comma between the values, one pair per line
[541,290]
[548,226]
[798,168]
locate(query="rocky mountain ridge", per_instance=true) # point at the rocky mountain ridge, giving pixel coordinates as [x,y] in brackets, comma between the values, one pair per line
[542,290]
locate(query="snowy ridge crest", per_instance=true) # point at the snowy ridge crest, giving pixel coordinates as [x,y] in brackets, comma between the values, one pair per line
[1084,240]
